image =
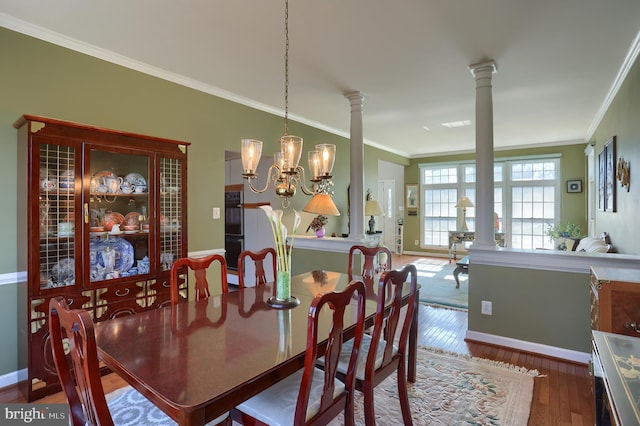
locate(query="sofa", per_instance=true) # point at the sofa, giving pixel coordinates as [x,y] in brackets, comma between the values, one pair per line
[601,244]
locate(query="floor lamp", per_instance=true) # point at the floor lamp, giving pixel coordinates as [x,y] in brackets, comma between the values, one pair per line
[463,204]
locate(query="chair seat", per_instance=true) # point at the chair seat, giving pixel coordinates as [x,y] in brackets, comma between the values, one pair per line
[345,354]
[277,404]
[130,407]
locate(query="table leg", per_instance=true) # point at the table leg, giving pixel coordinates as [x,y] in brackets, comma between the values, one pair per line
[413,342]
[456,272]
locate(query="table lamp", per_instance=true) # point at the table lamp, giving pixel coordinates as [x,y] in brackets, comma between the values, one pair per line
[372,208]
[463,204]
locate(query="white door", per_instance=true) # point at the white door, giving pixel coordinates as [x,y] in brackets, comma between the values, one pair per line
[387,200]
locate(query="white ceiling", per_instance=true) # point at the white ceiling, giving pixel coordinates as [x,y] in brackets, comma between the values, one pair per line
[558,61]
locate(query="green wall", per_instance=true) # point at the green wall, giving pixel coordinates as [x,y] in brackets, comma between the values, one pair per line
[572,164]
[621,120]
[546,307]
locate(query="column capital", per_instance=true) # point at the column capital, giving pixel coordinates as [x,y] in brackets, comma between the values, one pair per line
[355,98]
[489,65]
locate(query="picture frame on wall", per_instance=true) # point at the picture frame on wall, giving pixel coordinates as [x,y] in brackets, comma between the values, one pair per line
[601,181]
[610,175]
[411,197]
[574,185]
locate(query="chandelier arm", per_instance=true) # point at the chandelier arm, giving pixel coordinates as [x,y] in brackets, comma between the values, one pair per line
[301,177]
[270,177]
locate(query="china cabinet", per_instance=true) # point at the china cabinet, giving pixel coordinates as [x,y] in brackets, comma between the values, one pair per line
[104,218]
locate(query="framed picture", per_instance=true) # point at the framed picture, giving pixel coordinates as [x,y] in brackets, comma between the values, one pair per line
[602,196]
[610,175]
[411,190]
[574,185]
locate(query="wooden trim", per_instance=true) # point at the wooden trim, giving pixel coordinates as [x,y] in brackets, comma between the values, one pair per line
[232,188]
[254,205]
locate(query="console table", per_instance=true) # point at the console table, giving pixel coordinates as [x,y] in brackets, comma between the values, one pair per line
[616,383]
[457,237]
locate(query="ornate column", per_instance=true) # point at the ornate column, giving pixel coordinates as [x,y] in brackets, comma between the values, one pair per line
[356,193]
[484,232]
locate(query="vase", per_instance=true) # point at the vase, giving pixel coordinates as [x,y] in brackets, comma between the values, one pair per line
[283,285]
[282,298]
[320,232]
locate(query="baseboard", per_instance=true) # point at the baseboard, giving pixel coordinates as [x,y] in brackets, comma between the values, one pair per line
[12,379]
[522,345]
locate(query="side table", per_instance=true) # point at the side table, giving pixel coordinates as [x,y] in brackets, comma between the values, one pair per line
[462,267]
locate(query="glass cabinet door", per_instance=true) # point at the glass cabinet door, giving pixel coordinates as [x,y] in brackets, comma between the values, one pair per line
[57,198]
[117,215]
[171,187]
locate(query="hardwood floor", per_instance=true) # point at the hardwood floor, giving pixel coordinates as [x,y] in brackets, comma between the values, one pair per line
[561,396]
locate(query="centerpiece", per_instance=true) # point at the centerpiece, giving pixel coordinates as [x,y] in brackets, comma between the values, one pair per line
[283,298]
[318,223]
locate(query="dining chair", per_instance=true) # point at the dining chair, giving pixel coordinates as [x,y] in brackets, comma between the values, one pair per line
[385,349]
[79,372]
[312,396]
[199,265]
[258,258]
[373,260]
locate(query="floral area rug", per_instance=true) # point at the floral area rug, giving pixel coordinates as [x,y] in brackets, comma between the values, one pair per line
[438,286]
[450,389]
[453,389]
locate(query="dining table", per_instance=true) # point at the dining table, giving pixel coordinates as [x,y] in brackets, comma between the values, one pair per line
[196,360]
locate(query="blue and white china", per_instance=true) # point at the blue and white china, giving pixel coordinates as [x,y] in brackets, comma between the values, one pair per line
[136,179]
[103,252]
[127,187]
[63,272]
[143,265]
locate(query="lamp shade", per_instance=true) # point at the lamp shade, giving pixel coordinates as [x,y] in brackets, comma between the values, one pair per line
[291,147]
[250,151]
[372,208]
[464,203]
[327,157]
[322,204]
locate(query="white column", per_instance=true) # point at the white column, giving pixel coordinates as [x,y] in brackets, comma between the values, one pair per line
[356,193]
[484,229]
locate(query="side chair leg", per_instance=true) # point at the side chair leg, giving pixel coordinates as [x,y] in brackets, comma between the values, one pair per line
[403,395]
[369,410]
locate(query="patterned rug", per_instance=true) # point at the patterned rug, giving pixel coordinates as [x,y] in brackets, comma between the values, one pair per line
[450,389]
[453,389]
[438,286]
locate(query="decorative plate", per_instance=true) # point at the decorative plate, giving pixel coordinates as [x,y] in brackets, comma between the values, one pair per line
[135,179]
[124,253]
[104,173]
[132,219]
[111,219]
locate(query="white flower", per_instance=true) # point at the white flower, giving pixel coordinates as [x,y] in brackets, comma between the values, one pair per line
[280,233]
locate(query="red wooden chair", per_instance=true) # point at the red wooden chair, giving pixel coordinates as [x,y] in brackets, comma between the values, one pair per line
[199,265]
[319,396]
[370,266]
[258,258]
[385,350]
[81,380]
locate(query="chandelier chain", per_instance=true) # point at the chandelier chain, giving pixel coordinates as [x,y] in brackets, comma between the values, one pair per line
[286,68]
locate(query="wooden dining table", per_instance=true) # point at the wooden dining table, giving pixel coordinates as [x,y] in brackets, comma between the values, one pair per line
[198,359]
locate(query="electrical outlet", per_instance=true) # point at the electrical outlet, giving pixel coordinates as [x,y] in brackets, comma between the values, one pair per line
[216,212]
[416,242]
[487,308]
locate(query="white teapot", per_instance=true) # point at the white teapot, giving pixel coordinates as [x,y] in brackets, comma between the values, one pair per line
[127,187]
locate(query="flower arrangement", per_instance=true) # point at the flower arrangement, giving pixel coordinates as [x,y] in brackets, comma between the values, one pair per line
[319,222]
[280,233]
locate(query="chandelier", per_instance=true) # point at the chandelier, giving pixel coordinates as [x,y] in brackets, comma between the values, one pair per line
[285,173]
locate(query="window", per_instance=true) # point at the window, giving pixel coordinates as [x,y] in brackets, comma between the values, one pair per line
[526,200]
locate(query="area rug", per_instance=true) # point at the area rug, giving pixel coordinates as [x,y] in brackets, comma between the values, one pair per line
[438,286]
[450,389]
[453,389]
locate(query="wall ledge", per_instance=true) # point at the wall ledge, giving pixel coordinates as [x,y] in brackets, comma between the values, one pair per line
[332,244]
[551,260]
